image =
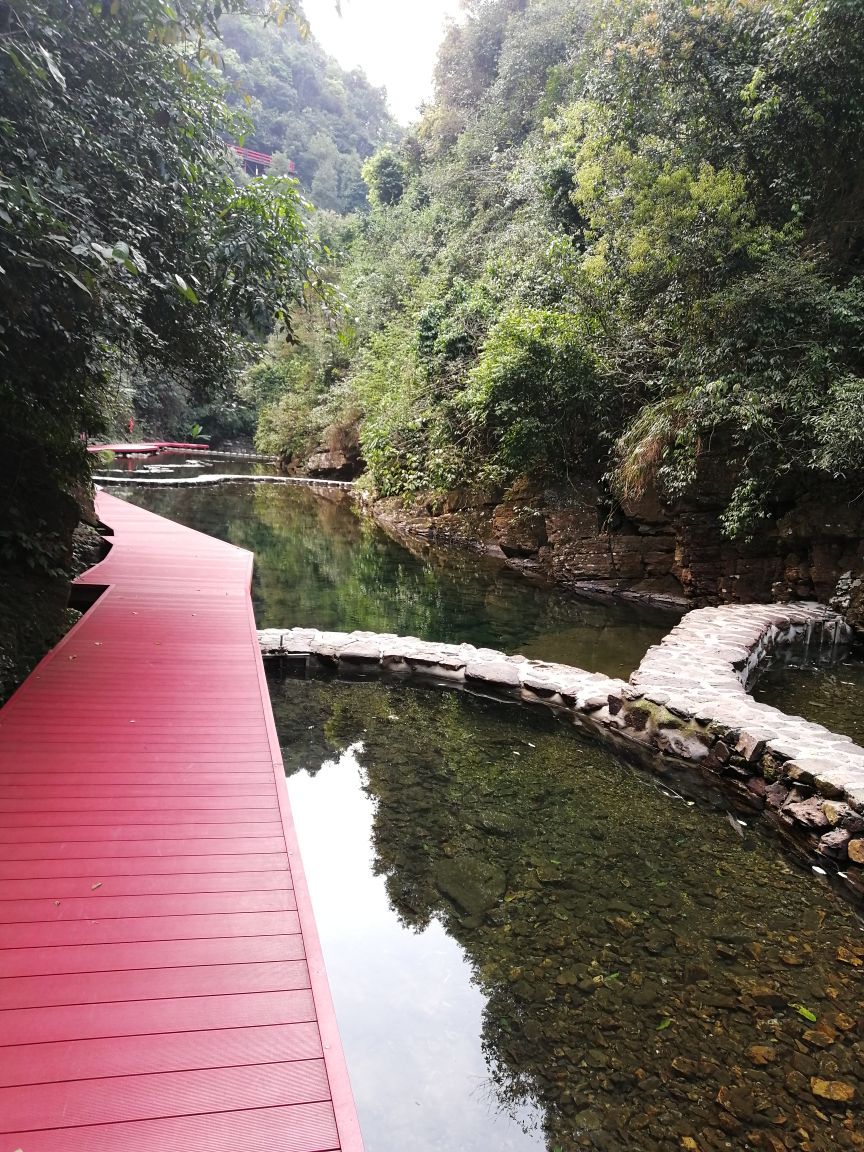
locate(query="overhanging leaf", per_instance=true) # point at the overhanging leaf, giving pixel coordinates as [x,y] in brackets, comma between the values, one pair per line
[184,289]
[52,67]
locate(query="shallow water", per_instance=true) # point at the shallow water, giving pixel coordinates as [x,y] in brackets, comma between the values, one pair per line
[530,944]
[521,932]
[179,464]
[317,563]
[833,697]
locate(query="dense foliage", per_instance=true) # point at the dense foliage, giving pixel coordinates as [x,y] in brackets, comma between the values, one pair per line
[305,108]
[625,238]
[129,250]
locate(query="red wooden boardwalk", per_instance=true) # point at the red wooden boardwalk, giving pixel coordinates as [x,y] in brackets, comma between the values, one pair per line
[161,981]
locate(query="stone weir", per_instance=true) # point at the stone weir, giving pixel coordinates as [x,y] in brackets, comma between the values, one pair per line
[130,480]
[687,704]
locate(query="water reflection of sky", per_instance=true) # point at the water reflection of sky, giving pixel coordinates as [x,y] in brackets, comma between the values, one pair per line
[409,1015]
[628,963]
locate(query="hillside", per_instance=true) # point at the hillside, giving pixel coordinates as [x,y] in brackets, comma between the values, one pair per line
[619,258]
[305,108]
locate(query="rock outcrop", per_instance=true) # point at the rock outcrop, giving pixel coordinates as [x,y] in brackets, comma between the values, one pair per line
[646,549]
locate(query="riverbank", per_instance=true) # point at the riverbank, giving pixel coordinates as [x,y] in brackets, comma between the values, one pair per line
[677,559]
[644,550]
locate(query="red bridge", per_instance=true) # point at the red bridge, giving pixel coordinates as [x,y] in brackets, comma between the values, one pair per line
[161,981]
[257,162]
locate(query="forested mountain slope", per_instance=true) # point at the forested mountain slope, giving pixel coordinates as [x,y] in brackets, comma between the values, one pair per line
[305,108]
[131,258]
[620,256]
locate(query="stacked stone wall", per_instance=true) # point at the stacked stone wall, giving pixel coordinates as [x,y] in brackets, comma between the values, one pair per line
[687,704]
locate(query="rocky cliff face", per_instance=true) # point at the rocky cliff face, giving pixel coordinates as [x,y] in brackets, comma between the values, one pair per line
[648,549]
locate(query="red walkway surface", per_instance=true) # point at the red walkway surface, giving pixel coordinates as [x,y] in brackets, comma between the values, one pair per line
[161,981]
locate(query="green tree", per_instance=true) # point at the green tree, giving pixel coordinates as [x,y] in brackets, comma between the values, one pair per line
[126,243]
[624,240]
[384,175]
[304,108]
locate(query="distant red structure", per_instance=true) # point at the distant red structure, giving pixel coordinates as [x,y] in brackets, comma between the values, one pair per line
[257,163]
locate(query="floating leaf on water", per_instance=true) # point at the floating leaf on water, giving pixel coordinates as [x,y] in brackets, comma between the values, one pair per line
[736,824]
[805,1012]
[664,1024]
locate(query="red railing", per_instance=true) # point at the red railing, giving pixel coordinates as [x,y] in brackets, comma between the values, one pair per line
[258,159]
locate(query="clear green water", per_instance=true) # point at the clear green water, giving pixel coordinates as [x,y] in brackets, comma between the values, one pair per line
[532,946]
[177,464]
[319,564]
[830,696]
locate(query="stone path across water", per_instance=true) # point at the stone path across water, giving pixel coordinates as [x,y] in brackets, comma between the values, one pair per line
[126,480]
[687,701]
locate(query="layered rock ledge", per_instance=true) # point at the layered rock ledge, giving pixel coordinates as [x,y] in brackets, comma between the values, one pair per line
[687,703]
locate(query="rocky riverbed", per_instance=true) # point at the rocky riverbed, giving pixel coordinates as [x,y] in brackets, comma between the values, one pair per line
[654,978]
[687,703]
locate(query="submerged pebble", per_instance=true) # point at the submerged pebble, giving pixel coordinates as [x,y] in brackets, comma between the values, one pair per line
[649,984]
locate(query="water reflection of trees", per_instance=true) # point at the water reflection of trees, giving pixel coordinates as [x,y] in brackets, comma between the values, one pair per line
[318,563]
[637,974]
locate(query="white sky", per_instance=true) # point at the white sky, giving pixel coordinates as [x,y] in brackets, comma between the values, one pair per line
[394,41]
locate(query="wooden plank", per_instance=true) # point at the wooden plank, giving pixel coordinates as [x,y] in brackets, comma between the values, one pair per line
[302,1128]
[133,929]
[165,1052]
[96,868]
[150,954]
[115,786]
[156,984]
[142,849]
[164,1094]
[160,904]
[148,1017]
[140,884]
[137,804]
[130,833]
